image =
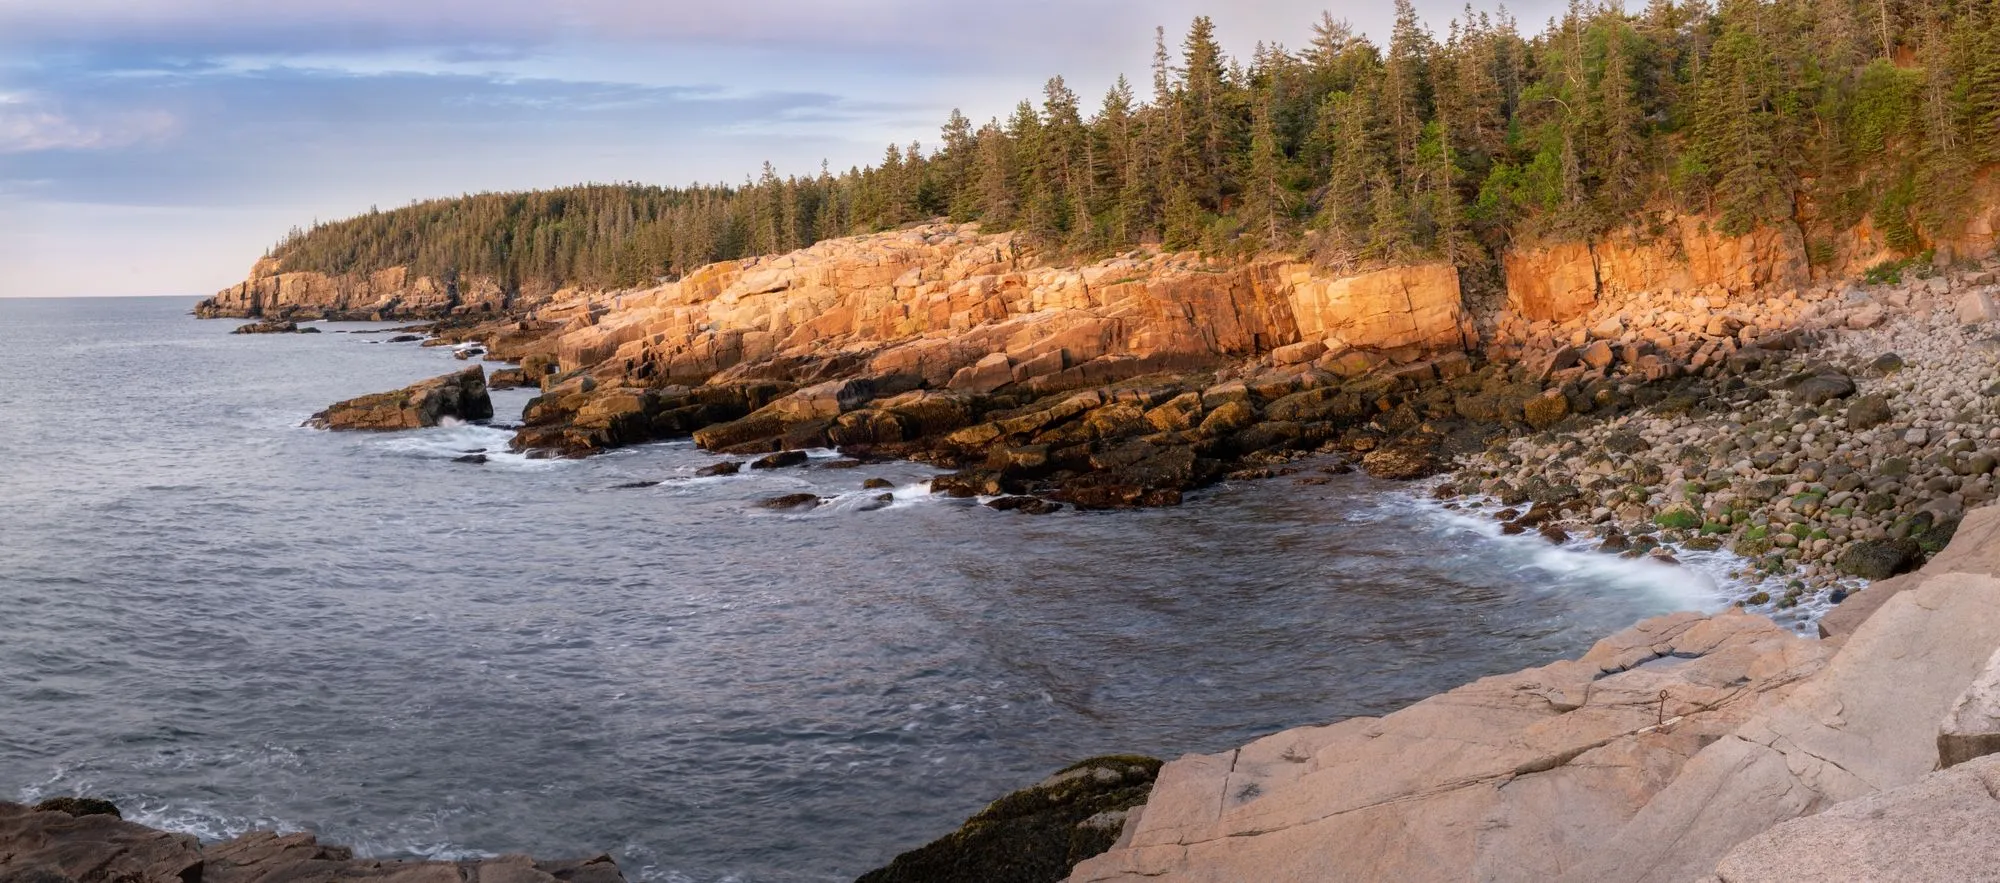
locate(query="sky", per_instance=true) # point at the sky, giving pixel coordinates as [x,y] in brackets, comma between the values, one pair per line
[155,147]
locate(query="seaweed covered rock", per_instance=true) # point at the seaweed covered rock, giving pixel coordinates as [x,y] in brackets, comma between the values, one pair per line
[1881,559]
[80,806]
[1034,835]
[461,395]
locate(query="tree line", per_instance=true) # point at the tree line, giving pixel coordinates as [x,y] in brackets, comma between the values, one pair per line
[1429,147]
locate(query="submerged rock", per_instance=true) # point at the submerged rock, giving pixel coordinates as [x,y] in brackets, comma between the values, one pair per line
[461,395]
[791,501]
[1034,835]
[780,460]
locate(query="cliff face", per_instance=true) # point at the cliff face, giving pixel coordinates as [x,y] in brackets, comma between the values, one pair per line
[1684,257]
[390,294]
[1650,758]
[936,301]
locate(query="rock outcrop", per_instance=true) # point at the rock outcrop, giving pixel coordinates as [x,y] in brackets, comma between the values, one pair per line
[53,846]
[273,326]
[1036,834]
[461,395]
[394,293]
[1652,758]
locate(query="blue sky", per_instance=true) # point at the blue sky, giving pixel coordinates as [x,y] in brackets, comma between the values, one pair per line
[159,146]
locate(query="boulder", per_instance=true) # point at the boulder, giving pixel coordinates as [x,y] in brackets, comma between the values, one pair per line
[1881,559]
[1868,412]
[1598,355]
[1821,387]
[460,396]
[790,501]
[1975,307]
[268,326]
[1866,316]
[1545,410]
[780,460]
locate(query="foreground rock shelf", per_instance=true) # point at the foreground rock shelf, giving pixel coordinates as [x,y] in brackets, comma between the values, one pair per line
[1666,753]
[71,841]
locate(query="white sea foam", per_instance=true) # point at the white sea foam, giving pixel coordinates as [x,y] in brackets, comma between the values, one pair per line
[453,439]
[1702,580]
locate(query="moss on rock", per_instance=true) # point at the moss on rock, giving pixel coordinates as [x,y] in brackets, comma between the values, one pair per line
[1037,834]
[79,806]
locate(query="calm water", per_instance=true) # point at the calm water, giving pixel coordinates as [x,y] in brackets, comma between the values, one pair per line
[223,621]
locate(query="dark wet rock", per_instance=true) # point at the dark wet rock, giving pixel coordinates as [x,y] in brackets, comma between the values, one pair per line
[726,467]
[1868,412]
[74,840]
[461,395]
[1554,534]
[842,464]
[1026,505]
[269,326]
[1513,528]
[971,483]
[780,460]
[1820,387]
[80,806]
[1626,443]
[405,338]
[790,501]
[1885,364]
[635,485]
[1035,835]
[1881,559]
[877,484]
[474,459]
[1546,410]
[1614,542]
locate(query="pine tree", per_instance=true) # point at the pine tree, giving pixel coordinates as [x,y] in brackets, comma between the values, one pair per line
[1267,198]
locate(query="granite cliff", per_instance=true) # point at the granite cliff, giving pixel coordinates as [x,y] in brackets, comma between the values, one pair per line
[1664,754]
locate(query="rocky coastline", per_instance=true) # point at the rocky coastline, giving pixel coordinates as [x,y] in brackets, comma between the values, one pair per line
[1829,429]
[85,840]
[1825,431]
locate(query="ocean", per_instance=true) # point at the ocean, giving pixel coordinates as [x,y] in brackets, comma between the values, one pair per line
[223,621]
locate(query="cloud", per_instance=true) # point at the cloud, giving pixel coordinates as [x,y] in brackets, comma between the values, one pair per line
[29,124]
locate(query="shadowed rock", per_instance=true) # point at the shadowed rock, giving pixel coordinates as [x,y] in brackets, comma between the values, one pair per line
[75,842]
[461,395]
[1034,835]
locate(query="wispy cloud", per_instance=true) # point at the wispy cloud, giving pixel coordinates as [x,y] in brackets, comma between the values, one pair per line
[29,124]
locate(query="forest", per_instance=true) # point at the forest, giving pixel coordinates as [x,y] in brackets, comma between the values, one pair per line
[1432,147]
